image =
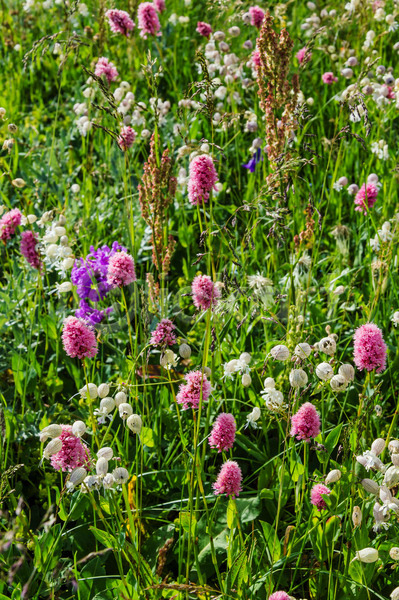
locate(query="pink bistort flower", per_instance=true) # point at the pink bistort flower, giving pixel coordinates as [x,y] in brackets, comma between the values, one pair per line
[126,137]
[148,20]
[190,393]
[256,58]
[204,291]
[366,197]
[121,270]
[305,424]
[329,78]
[229,479]
[8,223]
[78,338]
[370,351]
[223,432]
[28,249]
[279,596]
[163,334]
[73,453]
[257,15]
[316,497]
[202,179]
[106,68]
[160,5]
[204,29]
[300,55]
[119,21]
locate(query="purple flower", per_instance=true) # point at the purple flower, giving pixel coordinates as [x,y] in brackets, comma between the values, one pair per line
[251,164]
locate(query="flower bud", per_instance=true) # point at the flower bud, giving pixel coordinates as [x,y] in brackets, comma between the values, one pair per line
[269,383]
[324,371]
[393,446]
[395,459]
[367,555]
[101,466]
[18,183]
[394,553]
[395,594]
[347,371]
[207,372]
[356,516]
[302,350]
[92,389]
[106,453]
[103,390]
[245,357]
[107,405]
[185,351]
[134,423]
[370,486]
[108,481]
[246,380]
[51,431]
[120,398]
[328,346]
[338,383]
[333,476]
[76,478]
[378,446]
[231,366]
[121,475]
[168,357]
[280,352]
[391,477]
[298,378]
[52,448]
[125,410]
[79,428]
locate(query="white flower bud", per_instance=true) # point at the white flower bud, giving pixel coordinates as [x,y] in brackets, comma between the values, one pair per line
[324,371]
[347,371]
[103,390]
[356,516]
[120,398]
[377,446]
[18,182]
[51,431]
[280,352]
[75,188]
[254,415]
[231,366]
[64,287]
[371,486]
[302,350]
[333,476]
[393,446]
[367,555]
[68,263]
[185,351]
[106,453]
[394,553]
[207,371]
[93,392]
[338,383]
[269,383]
[52,448]
[121,475]
[298,378]
[108,481]
[246,380]
[134,423]
[395,459]
[107,405]
[52,251]
[328,346]
[78,428]
[168,358]
[125,410]
[101,466]
[76,478]
[395,594]
[391,477]
[245,357]
[91,482]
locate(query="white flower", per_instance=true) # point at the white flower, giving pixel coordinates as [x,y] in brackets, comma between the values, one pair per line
[120,398]
[378,446]
[51,431]
[280,353]
[395,318]
[121,475]
[106,453]
[253,417]
[302,350]
[298,378]
[91,388]
[369,460]
[269,383]
[125,410]
[371,486]
[395,594]
[324,371]
[328,346]
[76,478]
[102,466]
[347,371]
[79,428]
[52,448]
[391,477]
[246,380]
[274,399]
[367,555]
[333,476]
[134,423]
[338,383]
[90,483]
[168,359]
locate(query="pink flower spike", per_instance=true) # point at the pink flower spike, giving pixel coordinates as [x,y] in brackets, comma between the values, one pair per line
[190,393]
[126,138]
[79,339]
[223,432]
[160,5]
[148,20]
[229,480]
[256,58]
[300,55]
[8,223]
[163,335]
[121,270]
[305,424]
[106,68]
[28,249]
[73,453]
[204,29]
[119,21]
[370,350]
[316,497]
[257,16]
[279,596]
[329,78]
[204,291]
[202,179]
[366,197]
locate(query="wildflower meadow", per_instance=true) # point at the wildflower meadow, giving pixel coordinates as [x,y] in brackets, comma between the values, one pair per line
[199,300]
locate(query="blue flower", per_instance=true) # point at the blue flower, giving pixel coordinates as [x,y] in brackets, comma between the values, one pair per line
[251,164]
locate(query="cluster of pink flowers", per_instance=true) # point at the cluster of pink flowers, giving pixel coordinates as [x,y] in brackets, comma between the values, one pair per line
[106,68]
[202,179]
[366,197]
[370,350]
[257,15]
[204,291]
[163,334]
[190,393]
[78,338]
[204,29]
[316,497]
[229,479]
[300,55]
[160,5]
[256,58]
[73,453]
[305,424]
[119,21]
[148,20]
[28,249]
[121,270]
[279,596]
[9,222]
[329,78]
[126,137]
[223,432]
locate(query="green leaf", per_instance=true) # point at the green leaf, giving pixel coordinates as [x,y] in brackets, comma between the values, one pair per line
[147,437]
[272,542]
[333,438]
[106,539]
[230,513]
[184,520]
